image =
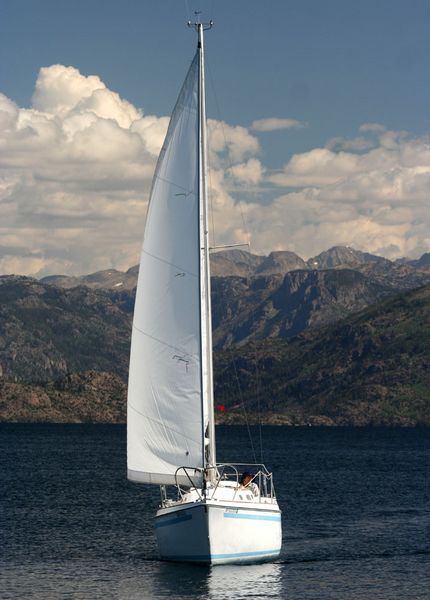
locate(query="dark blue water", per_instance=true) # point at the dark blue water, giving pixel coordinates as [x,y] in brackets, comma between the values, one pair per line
[356,517]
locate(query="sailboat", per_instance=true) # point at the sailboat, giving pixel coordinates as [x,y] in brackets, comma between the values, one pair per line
[209,512]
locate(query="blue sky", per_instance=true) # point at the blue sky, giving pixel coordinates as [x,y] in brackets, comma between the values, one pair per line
[333,66]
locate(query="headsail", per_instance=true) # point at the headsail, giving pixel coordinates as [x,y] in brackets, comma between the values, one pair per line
[166,414]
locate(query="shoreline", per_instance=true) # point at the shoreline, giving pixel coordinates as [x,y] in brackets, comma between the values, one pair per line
[242,423]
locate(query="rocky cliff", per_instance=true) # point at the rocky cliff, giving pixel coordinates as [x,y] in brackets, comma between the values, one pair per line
[47,332]
[371,368]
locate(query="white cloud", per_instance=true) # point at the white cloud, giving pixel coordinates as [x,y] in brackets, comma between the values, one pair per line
[249,172]
[8,113]
[21,264]
[375,201]
[59,89]
[152,131]
[371,127]
[303,223]
[63,91]
[237,142]
[317,167]
[76,169]
[321,166]
[275,123]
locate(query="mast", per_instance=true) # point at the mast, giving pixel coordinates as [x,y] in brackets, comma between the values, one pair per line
[205,280]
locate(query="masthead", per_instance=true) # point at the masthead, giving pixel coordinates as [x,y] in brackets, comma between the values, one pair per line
[198,24]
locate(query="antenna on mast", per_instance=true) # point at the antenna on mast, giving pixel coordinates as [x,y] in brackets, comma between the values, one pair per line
[198,23]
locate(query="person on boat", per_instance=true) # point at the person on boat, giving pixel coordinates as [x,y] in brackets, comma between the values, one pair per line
[246,482]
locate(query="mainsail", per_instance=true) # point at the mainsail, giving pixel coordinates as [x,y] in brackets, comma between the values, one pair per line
[167,406]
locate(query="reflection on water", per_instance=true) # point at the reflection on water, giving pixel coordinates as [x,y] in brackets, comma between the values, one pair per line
[170,580]
[247,581]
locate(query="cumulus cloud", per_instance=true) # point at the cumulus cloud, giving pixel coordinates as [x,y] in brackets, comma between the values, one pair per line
[249,172]
[274,123]
[76,170]
[229,144]
[375,200]
[320,166]
[60,90]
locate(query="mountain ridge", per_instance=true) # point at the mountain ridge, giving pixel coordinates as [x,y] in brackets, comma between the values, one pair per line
[49,330]
[240,263]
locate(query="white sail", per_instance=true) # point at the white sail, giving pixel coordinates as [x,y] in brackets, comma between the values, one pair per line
[167,417]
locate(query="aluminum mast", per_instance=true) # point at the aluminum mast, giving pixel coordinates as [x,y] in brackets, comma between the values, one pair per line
[205,280]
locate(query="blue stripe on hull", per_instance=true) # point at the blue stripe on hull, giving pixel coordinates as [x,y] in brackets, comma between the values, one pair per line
[232,555]
[232,515]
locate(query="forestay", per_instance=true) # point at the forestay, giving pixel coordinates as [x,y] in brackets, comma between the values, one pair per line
[166,415]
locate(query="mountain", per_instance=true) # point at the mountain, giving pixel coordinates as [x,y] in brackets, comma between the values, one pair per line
[239,263]
[396,276]
[371,368]
[283,306]
[107,279]
[234,263]
[280,262]
[421,263]
[343,256]
[47,331]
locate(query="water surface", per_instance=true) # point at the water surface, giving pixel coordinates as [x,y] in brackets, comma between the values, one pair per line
[356,517]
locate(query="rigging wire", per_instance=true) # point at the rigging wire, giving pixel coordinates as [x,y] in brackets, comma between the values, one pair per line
[229,390]
[211,210]
[260,428]
[244,410]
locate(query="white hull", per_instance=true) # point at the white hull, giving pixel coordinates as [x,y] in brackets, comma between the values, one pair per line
[209,532]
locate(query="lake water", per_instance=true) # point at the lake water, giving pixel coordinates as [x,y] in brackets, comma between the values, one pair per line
[356,517]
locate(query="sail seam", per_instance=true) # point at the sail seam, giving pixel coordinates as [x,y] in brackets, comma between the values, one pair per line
[195,356]
[180,187]
[166,262]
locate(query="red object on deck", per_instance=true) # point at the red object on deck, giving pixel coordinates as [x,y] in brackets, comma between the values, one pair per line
[220,407]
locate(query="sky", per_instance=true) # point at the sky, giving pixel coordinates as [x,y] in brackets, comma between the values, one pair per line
[319,118]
